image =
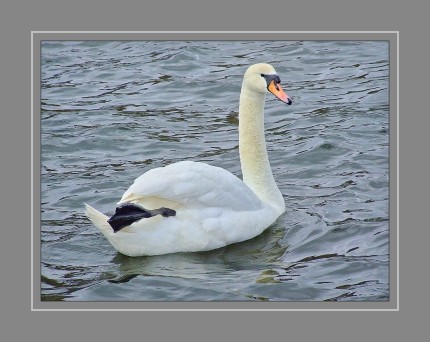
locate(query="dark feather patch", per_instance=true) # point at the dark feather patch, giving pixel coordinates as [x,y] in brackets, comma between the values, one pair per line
[127,213]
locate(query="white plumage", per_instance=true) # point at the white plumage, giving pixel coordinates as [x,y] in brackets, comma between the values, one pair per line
[213,207]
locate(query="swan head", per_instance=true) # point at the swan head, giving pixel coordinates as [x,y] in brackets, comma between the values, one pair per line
[262,78]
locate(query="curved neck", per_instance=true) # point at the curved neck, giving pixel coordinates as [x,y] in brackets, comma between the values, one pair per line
[256,170]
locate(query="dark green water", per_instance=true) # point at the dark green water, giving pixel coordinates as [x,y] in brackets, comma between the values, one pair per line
[113,110]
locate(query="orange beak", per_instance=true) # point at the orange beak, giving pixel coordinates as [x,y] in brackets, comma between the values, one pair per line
[276,90]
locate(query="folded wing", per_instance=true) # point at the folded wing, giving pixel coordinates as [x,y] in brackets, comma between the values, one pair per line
[193,185]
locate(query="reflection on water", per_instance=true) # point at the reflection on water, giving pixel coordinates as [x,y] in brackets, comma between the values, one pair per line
[113,110]
[255,253]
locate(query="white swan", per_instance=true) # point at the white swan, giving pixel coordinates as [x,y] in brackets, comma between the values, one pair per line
[191,206]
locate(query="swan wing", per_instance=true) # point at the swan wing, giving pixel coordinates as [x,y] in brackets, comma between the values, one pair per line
[192,185]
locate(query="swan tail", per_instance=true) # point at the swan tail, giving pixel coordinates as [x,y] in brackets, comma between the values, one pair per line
[99,219]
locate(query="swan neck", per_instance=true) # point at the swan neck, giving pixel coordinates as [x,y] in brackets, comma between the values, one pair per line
[256,170]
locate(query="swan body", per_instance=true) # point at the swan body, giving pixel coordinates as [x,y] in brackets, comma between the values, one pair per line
[211,207]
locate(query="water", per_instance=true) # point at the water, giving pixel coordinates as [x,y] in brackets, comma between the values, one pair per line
[113,110]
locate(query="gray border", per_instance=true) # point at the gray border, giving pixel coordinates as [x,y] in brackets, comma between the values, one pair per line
[391,305]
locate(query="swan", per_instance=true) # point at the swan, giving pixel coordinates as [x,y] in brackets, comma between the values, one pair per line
[192,206]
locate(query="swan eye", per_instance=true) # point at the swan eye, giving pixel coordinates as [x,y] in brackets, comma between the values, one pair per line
[262,75]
